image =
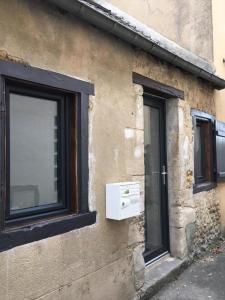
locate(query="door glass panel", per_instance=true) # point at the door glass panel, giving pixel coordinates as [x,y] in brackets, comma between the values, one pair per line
[33,152]
[152,178]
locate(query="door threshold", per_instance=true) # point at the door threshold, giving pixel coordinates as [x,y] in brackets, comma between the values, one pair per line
[159,273]
[155,259]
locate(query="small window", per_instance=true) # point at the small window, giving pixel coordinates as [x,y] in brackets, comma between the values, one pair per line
[38,151]
[43,154]
[204,140]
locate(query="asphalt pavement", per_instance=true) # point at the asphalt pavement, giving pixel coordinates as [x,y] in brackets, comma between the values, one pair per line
[203,280]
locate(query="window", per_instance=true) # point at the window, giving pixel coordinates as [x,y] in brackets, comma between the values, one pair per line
[204,157]
[38,151]
[44,154]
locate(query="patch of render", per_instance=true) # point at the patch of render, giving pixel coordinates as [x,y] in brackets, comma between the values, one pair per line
[4,55]
[92,161]
[142,29]
[120,24]
[136,225]
[129,133]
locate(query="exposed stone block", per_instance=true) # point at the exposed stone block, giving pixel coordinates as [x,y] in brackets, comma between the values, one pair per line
[178,243]
[181,216]
[176,178]
[136,231]
[138,89]
[139,267]
[190,234]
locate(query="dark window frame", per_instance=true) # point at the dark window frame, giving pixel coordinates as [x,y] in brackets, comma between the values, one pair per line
[62,159]
[204,184]
[26,230]
[201,178]
[157,88]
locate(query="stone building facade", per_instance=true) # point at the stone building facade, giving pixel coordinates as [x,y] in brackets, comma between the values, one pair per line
[105,259]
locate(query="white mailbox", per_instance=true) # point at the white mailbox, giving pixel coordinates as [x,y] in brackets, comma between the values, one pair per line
[122,200]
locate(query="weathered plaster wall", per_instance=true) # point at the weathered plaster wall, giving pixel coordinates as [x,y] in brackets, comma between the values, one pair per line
[103,261]
[189,23]
[218,8]
[194,218]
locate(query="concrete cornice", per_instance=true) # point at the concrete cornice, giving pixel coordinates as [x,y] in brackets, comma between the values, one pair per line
[109,18]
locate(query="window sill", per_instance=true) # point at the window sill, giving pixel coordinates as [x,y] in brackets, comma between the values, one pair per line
[201,187]
[13,237]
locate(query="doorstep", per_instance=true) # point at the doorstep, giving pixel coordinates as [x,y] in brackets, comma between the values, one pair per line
[159,273]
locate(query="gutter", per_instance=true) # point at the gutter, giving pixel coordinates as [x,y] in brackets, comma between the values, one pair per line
[112,20]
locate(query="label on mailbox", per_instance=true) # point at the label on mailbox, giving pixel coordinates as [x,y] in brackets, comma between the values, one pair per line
[130,194]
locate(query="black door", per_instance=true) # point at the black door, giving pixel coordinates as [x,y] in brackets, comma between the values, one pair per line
[156,215]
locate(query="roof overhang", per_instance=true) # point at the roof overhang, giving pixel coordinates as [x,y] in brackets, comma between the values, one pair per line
[108,18]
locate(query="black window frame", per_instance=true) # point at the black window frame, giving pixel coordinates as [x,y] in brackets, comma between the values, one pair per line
[202,178]
[64,156]
[65,90]
[202,183]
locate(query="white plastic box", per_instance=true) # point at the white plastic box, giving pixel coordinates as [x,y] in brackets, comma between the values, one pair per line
[122,200]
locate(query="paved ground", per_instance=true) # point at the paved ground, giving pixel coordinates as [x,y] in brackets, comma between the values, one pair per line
[203,280]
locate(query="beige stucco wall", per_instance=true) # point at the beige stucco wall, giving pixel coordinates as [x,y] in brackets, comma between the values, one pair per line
[102,261]
[218,7]
[188,23]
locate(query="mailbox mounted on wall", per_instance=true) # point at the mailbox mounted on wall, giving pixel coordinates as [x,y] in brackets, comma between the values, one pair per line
[122,200]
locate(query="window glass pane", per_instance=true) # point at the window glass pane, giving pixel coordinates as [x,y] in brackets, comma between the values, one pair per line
[33,152]
[199,151]
[152,179]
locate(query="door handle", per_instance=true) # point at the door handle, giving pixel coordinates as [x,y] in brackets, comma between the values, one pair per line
[164,173]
